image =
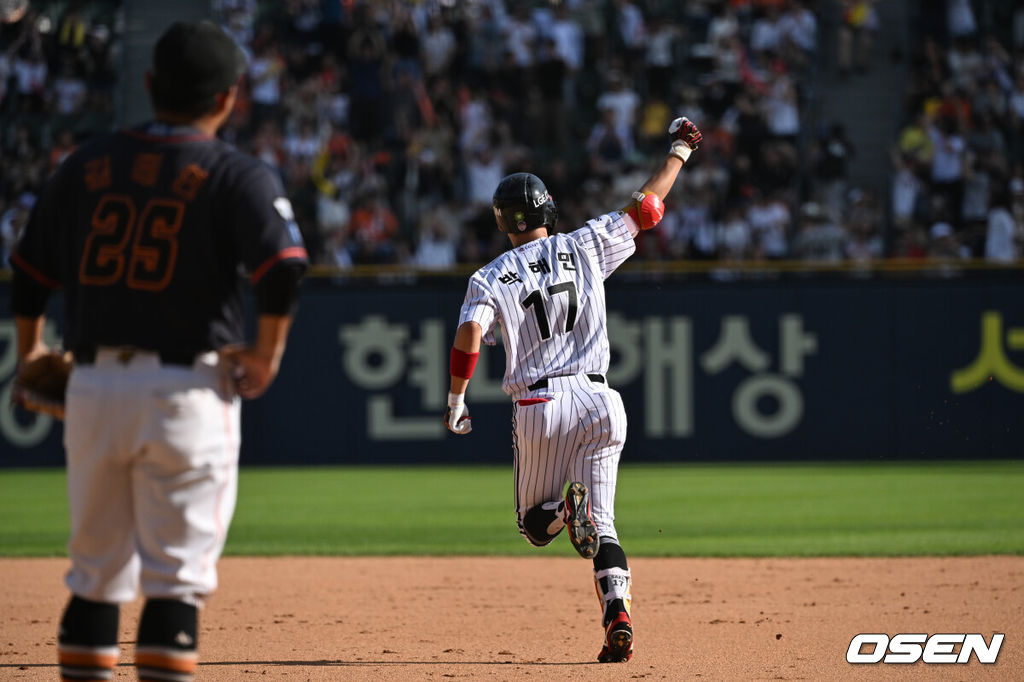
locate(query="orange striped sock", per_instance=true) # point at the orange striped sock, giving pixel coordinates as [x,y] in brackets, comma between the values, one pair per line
[79,663]
[161,664]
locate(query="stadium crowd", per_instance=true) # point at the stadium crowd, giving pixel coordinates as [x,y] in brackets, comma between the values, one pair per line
[957,185]
[391,122]
[57,78]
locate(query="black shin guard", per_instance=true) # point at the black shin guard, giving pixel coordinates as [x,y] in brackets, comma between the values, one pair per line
[168,639]
[87,640]
[610,555]
[611,575]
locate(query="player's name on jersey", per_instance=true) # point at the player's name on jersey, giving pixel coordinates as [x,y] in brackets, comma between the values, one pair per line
[567,261]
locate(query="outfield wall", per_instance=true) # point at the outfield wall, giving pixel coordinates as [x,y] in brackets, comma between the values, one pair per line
[784,368]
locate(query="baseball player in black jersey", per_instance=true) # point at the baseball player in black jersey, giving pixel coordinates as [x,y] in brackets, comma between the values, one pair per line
[569,426]
[146,231]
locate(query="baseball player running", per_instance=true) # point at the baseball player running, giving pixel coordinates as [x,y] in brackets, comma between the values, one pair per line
[569,426]
[146,230]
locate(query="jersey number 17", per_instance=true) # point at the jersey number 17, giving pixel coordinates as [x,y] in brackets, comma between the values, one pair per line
[536,301]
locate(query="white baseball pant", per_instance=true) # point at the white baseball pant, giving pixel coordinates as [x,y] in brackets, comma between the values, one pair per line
[572,430]
[152,460]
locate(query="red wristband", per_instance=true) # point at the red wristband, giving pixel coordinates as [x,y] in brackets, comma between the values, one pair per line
[463,363]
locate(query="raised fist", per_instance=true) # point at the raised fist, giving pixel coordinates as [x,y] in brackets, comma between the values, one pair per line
[683,130]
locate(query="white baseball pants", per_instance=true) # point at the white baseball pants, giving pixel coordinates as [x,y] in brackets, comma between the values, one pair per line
[152,459]
[572,430]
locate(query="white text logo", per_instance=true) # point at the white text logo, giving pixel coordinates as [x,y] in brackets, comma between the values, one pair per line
[909,647]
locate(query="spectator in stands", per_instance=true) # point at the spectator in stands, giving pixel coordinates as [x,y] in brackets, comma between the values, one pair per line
[944,243]
[781,110]
[819,238]
[947,171]
[268,144]
[766,34]
[30,73]
[101,60]
[965,64]
[624,103]
[961,22]
[72,31]
[238,18]
[660,57]
[1003,236]
[834,157]
[863,224]
[520,36]
[405,48]
[735,238]
[906,190]
[68,95]
[373,230]
[1016,188]
[337,252]
[437,48]
[606,146]
[769,219]
[632,32]
[798,31]
[729,58]
[367,55]
[723,26]
[475,119]
[485,167]
[550,74]
[915,142]
[303,143]
[858,24]
[695,234]
[266,71]
[980,176]
[567,33]
[985,138]
[438,242]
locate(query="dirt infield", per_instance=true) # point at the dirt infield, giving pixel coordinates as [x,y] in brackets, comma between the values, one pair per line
[536,618]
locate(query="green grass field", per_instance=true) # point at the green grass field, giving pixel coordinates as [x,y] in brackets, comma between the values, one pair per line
[670,510]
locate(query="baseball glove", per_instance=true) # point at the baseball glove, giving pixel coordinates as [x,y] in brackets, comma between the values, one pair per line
[40,385]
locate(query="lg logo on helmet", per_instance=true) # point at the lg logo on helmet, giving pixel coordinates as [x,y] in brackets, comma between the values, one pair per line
[541,200]
[938,648]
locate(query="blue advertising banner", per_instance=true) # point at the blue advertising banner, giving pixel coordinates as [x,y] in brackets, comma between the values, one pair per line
[780,370]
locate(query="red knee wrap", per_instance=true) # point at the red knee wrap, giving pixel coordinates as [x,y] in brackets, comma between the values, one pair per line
[463,363]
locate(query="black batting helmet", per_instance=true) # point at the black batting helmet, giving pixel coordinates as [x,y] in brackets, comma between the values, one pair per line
[522,203]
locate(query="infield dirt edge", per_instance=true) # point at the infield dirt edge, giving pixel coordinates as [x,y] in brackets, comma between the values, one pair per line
[527,618]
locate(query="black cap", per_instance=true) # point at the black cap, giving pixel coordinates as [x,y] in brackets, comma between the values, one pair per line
[192,61]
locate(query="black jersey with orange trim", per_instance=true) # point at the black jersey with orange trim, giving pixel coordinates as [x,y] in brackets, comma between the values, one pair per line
[150,232]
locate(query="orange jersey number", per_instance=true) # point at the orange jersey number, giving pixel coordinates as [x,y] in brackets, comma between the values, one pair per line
[153,252]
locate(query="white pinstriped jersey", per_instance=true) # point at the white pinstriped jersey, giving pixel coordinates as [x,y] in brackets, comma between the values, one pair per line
[548,296]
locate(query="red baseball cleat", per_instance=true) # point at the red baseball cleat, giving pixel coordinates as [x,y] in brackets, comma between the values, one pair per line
[618,640]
